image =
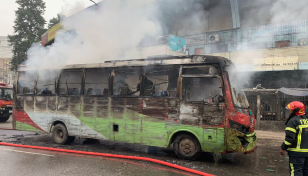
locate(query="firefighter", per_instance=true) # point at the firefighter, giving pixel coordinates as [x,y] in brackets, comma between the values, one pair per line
[296,140]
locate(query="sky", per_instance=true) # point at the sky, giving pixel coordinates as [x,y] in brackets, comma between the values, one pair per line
[53,7]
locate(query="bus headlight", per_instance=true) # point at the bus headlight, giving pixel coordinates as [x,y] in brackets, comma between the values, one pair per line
[239,127]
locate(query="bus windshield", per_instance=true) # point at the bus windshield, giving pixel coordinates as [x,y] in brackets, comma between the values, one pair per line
[238,96]
[6,94]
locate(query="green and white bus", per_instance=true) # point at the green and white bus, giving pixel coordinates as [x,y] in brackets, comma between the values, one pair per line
[192,102]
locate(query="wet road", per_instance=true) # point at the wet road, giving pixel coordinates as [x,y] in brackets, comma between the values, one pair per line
[7,124]
[265,161]
[19,161]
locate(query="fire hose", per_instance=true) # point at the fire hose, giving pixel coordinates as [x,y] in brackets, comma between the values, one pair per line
[111,155]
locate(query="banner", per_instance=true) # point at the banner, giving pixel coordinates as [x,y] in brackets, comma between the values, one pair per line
[272,63]
[177,44]
[53,30]
[44,38]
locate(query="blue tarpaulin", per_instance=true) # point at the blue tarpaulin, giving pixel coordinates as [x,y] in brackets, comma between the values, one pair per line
[177,43]
[294,91]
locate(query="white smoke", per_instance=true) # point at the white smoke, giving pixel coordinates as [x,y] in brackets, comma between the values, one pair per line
[98,35]
[70,9]
[286,10]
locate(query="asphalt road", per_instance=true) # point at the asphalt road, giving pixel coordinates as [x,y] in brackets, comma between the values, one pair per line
[265,161]
[7,124]
[19,161]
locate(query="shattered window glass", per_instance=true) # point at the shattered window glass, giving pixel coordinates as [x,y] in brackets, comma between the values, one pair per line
[46,83]
[158,81]
[126,81]
[238,96]
[198,89]
[70,82]
[26,82]
[96,82]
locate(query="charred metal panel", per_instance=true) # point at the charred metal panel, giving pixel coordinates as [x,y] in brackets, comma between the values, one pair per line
[101,115]
[159,107]
[118,105]
[240,142]
[89,106]
[62,103]
[52,103]
[190,114]
[75,105]
[19,103]
[102,109]
[213,114]
[198,114]
[29,103]
[40,103]
[160,113]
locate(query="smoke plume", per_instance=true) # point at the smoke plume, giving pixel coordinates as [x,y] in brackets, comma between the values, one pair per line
[97,35]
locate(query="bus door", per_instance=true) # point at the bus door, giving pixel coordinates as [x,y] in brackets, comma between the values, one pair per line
[202,97]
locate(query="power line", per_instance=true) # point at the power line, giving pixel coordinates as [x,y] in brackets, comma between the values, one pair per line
[68,3]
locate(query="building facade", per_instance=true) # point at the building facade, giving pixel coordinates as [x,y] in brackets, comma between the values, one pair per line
[258,35]
[6,75]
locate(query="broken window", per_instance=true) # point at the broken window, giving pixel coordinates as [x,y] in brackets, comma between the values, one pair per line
[146,81]
[46,82]
[96,82]
[26,82]
[238,96]
[164,79]
[126,81]
[202,88]
[70,82]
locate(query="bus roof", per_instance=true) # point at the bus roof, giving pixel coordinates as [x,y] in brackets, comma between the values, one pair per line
[173,60]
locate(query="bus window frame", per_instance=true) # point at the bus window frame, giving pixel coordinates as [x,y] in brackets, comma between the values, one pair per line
[219,75]
[83,91]
[22,93]
[230,89]
[66,85]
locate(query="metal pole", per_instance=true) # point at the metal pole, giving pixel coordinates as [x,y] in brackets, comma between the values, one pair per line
[258,126]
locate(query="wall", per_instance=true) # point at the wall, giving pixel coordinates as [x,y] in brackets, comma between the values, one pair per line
[5,49]
[277,126]
[5,58]
[220,17]
[247,60]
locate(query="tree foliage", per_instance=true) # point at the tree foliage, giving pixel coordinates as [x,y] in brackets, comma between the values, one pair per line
[28,28]
[54,21]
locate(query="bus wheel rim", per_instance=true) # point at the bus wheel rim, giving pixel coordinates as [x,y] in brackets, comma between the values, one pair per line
[187,147]
[59,134]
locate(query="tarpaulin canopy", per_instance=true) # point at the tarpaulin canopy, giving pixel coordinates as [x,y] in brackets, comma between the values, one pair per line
[294,91]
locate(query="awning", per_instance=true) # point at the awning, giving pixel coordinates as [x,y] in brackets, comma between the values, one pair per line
[294,91]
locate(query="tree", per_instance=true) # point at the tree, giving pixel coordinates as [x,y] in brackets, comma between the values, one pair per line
[54,21]
[28,28]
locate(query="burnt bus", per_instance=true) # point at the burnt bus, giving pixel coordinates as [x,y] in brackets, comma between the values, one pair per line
[192,102]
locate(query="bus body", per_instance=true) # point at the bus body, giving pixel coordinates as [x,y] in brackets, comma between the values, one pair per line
[6,102]
[192,102]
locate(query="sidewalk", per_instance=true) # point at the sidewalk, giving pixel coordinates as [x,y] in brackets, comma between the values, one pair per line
[269,138]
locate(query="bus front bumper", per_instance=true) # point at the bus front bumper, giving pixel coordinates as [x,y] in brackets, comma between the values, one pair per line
[240,142]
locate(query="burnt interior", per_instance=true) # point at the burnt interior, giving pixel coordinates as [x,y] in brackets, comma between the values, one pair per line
[158,91]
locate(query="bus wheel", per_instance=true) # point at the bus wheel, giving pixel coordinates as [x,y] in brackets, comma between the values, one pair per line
[187,147]
[70,140]
[4,118]
[60,134]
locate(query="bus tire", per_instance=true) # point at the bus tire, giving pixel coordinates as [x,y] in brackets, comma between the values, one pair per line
[186,147]
[70,140]
[60,134]
[4,118]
